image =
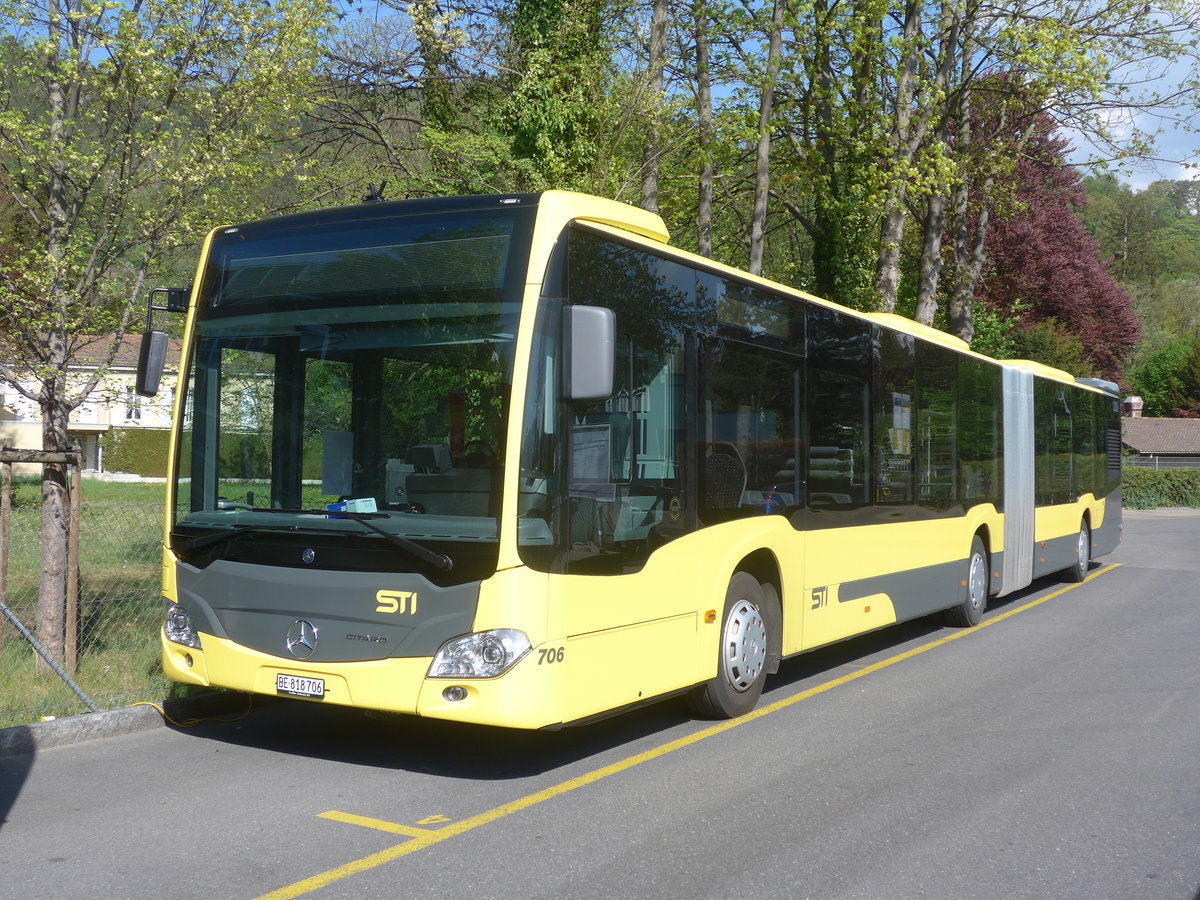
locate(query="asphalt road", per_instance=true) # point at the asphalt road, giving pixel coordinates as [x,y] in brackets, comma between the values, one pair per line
[1050,753]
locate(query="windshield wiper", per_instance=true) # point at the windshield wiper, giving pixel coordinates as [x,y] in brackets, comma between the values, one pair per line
[437,560]
[206,540]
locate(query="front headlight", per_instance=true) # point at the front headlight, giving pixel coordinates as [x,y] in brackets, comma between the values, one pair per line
[485,654]
[179,628]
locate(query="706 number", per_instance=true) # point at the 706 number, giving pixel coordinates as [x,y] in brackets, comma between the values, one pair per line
[550,655]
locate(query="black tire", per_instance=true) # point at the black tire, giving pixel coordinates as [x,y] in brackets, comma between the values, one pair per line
[742,653]
[969,612]
[1078,570]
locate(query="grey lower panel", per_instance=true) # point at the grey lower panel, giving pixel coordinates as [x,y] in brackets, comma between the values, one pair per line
[1018,480]
[257,605]
[1107,537]
[1059,554]
[914,593]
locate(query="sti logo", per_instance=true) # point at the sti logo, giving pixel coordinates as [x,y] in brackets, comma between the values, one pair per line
[403,602]
[820,596]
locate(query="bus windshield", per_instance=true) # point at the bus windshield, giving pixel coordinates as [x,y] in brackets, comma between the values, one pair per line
[360,369]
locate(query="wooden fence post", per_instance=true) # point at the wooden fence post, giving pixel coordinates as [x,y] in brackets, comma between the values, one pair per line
[74,619]
[74,461]
[5,517]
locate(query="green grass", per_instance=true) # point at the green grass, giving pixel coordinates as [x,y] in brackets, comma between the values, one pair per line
[120,603]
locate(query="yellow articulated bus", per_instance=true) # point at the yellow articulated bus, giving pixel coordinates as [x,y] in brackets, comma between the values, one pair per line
[515,460]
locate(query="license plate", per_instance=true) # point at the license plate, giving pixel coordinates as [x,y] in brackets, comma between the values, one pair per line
[299,686]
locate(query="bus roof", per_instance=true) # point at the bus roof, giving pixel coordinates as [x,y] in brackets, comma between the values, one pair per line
[375,209]
[565,206]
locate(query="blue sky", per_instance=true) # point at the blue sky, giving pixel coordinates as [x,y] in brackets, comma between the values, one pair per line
[1177,156]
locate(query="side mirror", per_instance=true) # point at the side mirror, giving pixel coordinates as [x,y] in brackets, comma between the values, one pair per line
[152,358]
[589,342]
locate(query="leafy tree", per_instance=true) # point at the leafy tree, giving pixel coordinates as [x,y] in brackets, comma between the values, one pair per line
[1150,235]
[1047,342]
[1159,379]
[123,128]
[1045,257]
[553,113]
[1153,236]
[1081,63]
[1170,308]
[1187,399]
[996,332]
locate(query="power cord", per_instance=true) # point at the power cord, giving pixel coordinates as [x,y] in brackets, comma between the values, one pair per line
[192,723]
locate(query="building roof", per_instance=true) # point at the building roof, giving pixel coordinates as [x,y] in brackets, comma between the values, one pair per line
[93,348]
[1160,436]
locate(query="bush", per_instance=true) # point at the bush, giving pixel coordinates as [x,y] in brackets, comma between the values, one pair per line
[1154,488]
[26,492]
[138,451]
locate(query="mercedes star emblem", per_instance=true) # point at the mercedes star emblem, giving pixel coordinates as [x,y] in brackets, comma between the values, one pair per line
[301,639]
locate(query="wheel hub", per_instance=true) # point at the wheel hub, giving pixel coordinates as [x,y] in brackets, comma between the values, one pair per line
[977,582]
[745,645]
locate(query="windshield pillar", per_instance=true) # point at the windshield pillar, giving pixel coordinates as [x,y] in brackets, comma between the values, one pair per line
[366,417]
[206,407]
[287,438]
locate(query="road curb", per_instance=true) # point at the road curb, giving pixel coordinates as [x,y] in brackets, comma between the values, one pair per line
[113,722]
[1160,512]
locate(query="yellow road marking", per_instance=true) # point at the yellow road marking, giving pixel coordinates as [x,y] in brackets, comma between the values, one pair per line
[424,839]
[377,824]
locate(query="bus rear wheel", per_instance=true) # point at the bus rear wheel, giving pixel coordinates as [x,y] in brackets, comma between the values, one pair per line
[1078,570]
[969,612]
[741,655]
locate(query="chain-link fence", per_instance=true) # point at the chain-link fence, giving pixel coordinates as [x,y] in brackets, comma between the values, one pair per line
[120,610]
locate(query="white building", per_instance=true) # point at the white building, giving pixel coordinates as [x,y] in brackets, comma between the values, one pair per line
[112,404]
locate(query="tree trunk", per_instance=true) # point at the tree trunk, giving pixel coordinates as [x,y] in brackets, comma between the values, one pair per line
[52,591]
[934,225]
[652,150]
[903,146]
[762,180]
[891,235]
[704,209]
[968,263]
[827,241]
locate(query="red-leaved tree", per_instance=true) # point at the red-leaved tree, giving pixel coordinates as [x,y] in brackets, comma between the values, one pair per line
[1044,257]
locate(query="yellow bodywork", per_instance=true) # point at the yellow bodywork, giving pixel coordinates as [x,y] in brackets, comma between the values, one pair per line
[624,639]
[600,643]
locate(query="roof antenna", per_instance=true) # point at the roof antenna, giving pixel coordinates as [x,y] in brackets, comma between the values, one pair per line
[374,194]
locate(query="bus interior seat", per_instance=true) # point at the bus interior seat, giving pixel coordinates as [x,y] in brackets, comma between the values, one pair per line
[439,488]
[724,476]
[430,458]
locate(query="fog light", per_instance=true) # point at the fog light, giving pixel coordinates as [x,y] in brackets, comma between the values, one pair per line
[454,694]
[187,658]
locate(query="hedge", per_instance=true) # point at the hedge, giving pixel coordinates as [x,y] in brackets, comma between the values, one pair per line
[1154,488]
[136,451]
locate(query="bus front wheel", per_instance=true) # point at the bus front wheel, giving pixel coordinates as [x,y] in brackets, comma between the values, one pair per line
[969,612]
[741,655]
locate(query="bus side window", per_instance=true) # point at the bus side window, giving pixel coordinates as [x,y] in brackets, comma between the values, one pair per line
[839,417]
[750,439]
